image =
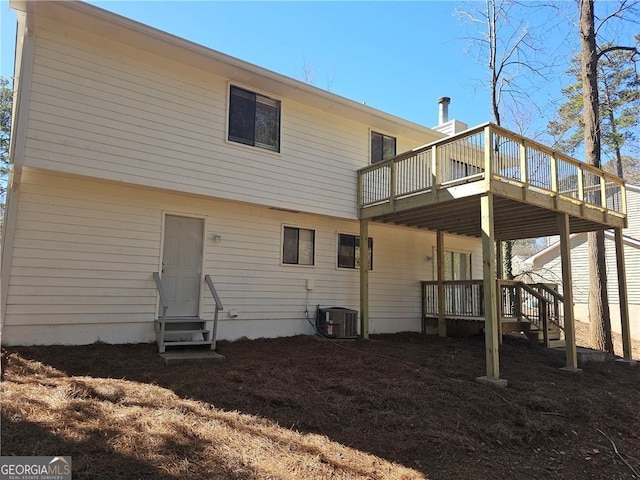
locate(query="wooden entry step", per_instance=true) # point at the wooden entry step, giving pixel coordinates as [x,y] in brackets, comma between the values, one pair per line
[182,331]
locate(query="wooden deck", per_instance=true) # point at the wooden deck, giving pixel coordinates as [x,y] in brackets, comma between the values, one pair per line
[493,184]
[438,187]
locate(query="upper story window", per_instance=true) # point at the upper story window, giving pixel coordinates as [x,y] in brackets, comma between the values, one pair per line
[349,251]
[298,246]
[383,147]
[254,119]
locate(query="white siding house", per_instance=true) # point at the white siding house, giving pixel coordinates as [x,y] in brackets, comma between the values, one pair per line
[118,126]
[546,267]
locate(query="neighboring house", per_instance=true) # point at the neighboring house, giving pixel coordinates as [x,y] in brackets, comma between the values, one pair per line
[135,149]
[545,266]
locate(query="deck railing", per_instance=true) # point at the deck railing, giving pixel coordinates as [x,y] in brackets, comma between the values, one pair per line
[506,156]
[462,298]
[537,304]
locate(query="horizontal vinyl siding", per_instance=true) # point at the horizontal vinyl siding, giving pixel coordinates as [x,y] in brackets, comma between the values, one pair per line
[102,109]
[552,272]
[85,251]
[633,212]
[81,255]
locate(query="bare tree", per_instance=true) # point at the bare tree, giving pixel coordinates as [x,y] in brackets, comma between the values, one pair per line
[505,41]
[309,75]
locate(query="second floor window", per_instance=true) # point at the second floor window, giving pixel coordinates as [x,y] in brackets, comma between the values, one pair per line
[254,119]
[383,147]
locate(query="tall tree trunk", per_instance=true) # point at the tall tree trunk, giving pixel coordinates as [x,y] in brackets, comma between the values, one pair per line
[599,318]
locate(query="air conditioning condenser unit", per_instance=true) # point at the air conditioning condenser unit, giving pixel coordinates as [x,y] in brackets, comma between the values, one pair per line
[337,322]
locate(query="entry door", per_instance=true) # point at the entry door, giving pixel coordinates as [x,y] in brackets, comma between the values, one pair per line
[182,264]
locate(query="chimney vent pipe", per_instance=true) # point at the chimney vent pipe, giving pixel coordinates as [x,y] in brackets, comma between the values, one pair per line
[443,110]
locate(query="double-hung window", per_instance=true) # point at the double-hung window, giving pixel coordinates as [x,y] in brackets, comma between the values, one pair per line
[349,251]
[383,147]
[298,246]
[254,119]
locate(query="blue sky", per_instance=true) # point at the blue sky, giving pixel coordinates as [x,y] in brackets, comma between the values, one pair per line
[398,57]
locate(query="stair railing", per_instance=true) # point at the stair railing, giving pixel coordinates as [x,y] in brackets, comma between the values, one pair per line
[543,309]
[518,303]
[218,302]
[554,298]
[164,305]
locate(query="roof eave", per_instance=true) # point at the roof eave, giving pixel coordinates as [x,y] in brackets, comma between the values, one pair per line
[186,51]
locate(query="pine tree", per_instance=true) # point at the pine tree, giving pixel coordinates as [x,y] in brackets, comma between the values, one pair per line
[6,94]
[618,106]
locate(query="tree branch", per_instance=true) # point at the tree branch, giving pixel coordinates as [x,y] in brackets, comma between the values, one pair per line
[615,48]
[624,5]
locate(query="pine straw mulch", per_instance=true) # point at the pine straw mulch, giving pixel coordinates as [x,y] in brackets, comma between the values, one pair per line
[402,406]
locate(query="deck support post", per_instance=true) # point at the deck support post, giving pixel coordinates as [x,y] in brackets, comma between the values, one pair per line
[567,292]
[442,321]
[499,276]
[622,296]
[364,278]
[491,325]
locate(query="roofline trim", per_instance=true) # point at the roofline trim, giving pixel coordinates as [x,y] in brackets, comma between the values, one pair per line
[180,42]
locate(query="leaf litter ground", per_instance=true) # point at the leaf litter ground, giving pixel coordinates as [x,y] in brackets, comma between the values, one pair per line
[403,406]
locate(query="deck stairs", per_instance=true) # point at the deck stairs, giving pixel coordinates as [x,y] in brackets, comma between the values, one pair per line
[183,331]
[522,307]
[538,307]
[555,337]
[176,331]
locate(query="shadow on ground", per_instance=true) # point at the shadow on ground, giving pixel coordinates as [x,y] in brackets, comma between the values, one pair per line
[406,398]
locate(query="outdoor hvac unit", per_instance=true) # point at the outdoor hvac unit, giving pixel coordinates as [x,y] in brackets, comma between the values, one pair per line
[337,322]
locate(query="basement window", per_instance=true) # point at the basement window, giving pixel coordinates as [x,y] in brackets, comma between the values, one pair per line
[298,246]
[254,119]
[349,251]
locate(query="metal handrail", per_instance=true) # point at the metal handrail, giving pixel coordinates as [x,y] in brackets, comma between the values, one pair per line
[162,294]
[218,302]
[159,325]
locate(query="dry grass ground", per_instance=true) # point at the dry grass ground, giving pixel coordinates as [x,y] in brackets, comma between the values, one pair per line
[401,406]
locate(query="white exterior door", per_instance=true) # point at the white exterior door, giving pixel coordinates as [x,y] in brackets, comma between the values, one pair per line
[182,264]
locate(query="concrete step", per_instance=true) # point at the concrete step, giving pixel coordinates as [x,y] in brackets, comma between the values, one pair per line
[181,357]
[584,355]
